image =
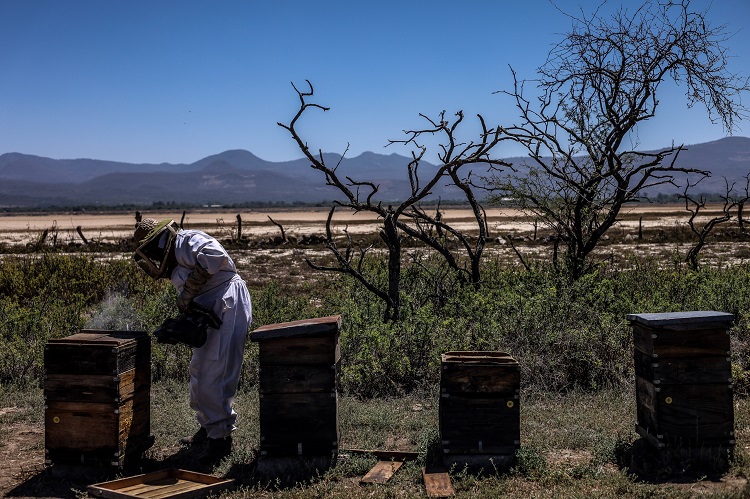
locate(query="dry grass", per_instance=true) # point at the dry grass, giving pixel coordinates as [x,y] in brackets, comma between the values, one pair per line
[574,445]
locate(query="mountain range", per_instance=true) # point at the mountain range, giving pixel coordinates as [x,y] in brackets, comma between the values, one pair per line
[238,176]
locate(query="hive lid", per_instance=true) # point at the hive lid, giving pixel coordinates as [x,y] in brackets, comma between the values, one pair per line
[676,318]
[164,484]
[473,357]
[305,327]
[99,337]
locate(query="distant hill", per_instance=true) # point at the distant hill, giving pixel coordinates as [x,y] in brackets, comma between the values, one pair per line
[725,158]
[238,176]
[235,176]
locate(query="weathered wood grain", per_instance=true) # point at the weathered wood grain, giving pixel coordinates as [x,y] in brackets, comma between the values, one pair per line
[701,342]
[437,482]
[305,327]
[299,351]
[305,378]
[683,378]
[97,415]
[683,370]
[93,353]
[299,377]
[381,472]
[171,484]
[479,410]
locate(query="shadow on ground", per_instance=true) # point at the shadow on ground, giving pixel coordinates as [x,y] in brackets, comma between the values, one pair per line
[67,480]
[72,480]
[674,463]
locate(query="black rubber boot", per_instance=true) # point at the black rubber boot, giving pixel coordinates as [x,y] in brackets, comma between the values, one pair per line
[218,449]
[200,437]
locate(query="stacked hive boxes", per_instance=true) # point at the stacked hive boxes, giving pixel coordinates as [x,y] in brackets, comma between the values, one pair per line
[97,397]
[684,378]
[299,372]
[479,404]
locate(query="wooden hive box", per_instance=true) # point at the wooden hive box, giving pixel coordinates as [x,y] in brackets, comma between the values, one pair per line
[97,397]
[684,378]
[299,371]
[479,403]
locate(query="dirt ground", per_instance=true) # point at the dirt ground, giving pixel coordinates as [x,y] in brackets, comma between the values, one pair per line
[23,228]
[21,454]
[109,227]
[23,473]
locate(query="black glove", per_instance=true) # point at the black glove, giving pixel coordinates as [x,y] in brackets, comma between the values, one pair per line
[162,333]
[165,340]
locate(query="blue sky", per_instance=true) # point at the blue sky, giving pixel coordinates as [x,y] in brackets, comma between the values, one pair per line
[150,81]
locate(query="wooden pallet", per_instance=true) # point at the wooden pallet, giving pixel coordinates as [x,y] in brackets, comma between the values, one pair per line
[165,484]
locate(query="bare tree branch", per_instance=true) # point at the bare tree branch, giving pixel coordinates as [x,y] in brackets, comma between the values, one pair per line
[598,84]
[694,205]
[407,216]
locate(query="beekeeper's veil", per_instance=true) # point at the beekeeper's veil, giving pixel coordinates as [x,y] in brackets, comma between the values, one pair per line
[155,245]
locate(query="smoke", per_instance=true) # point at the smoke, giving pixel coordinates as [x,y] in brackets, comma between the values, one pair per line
[115,312]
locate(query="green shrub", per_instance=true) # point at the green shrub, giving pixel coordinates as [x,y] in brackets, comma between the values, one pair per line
[52,296]
[565,335]
[529,463]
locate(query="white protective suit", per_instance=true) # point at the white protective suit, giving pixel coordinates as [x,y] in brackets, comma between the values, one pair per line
[215,367]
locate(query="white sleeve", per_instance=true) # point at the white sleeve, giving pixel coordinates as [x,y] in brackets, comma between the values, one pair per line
[202,250]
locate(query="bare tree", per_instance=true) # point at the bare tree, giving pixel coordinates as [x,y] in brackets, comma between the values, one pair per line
[454,156]
[407,217]
[730,201]
[597,85]
[741,203]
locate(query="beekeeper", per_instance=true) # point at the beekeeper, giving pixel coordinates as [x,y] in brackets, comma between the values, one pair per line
[202,271]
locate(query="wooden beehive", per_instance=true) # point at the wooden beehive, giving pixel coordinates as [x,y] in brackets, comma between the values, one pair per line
[97,397]
[684,378]
[299,366]
[479,403]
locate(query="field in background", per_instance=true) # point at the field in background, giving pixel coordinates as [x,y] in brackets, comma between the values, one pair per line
[261,258]
[111,227]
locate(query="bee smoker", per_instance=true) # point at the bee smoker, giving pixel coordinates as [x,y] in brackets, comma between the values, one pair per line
[189,328]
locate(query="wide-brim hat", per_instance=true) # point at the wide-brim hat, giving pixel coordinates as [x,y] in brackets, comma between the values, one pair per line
[148,228]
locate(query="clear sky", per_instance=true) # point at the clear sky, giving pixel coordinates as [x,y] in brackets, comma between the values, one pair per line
[150,81]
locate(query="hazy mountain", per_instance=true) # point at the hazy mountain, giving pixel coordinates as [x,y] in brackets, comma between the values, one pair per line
[27,167]
[238,176]
[725,158]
